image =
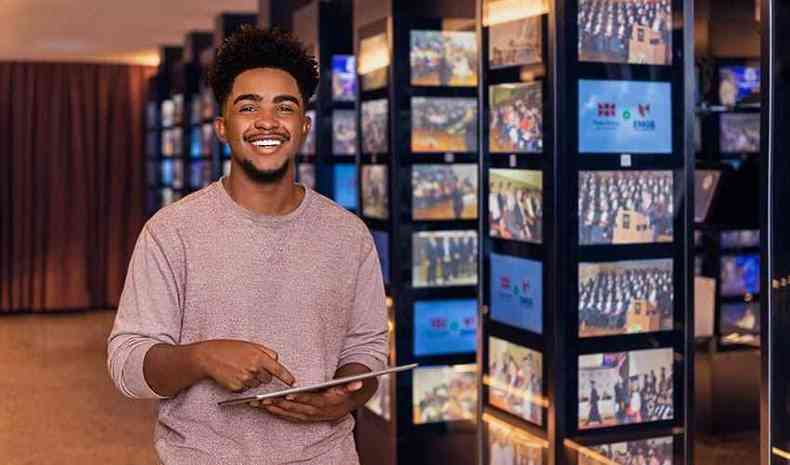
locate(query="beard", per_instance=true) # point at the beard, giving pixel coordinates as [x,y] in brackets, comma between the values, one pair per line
[260,176]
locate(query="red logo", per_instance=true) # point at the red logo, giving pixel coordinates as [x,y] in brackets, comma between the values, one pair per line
[644,110]
[525,286]
[438,323]
[504,282]
[607,110]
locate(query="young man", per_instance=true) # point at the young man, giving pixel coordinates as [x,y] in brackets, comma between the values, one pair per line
[251,281]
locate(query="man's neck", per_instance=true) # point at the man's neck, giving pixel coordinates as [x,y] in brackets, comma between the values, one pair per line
[280,198]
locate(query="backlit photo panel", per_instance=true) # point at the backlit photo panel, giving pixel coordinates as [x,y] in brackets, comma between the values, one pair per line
[443,58]
[344,132]
[624,388]
[515,380]
[625,31]
[515,43]
[444,192]
[375,196]
[443,124]
[506,446]
[444,258]
[625,297]
[517,292]
[374,126]
[444,393]
[515,205]
[516,114]
[629,117]
[657,451]
[625,207]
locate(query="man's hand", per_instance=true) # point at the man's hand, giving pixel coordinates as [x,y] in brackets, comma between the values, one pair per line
[331,405]
[240,365]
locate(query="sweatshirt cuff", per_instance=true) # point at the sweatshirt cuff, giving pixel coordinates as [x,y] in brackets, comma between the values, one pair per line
[373,363]
[134,383]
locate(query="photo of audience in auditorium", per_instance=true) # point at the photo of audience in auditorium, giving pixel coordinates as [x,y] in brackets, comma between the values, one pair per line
[444,192]
[515,43]
[625,31]
[443,124]
[444,258]
[625,387]
[444,393]
[443,58]
[375,196]
[516,118]
[515,380]
[515,205]
[625,207]
[658,451]
[344,132]
[625,297]
[508,446]
[374,126]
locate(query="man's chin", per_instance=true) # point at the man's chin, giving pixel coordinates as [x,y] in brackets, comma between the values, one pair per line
[265,174]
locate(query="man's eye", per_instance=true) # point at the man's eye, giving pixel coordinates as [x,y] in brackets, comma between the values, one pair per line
[286,109]
[247,108]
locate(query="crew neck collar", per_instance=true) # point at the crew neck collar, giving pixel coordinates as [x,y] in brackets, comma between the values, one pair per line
[234,208]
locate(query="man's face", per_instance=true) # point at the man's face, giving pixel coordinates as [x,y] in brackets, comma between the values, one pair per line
[264,123]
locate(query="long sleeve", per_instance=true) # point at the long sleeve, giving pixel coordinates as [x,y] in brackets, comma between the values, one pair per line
[366,340]
[149,313]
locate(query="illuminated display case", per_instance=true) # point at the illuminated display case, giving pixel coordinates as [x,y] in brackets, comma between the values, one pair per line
[587,188]
[329,153]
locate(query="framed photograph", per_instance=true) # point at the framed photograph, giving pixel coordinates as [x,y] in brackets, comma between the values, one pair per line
[444,258]
[444,192]
[628,31]
[308,147]
[443,58]
[625,207]
[625,297]
[506,446]
[345,185]
[344,78]
[443,124]
[515,380]
[516,114]
[658,451]
[739,133]
[375,196]
[305,174]
[705,184]
[382,242]
[739,84]
[624,388]
[381,402]
[374,58]
[344,132]
[738,239]
[374,126]
[515,205]
[740,318]
[516,43]
[444,393]
[740,275]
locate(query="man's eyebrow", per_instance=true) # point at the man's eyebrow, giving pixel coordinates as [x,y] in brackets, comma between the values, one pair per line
[253,97]
[286,98]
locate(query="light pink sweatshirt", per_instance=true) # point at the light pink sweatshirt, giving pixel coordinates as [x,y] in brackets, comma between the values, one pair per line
[307,285]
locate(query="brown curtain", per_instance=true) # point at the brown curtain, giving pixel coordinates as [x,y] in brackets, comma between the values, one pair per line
[72,186]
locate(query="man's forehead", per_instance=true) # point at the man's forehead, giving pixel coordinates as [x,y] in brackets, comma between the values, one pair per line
[266,83]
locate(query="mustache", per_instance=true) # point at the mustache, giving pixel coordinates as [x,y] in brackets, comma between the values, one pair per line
[286,136]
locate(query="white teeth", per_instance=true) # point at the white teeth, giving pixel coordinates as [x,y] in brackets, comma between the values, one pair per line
[267,143]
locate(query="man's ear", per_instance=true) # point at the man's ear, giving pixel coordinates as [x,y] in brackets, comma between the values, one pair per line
[219,129]
[308,123]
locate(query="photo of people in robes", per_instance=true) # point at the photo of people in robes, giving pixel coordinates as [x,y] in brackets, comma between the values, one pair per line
[443,58]
[444,258]
[443,124]
[625,387]
[625,207]
[625,31]
[344,132]
[625,297]
[444,192]
[515,379]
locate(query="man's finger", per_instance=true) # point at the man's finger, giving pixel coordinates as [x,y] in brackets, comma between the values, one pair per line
[295,407]
[274,355]
[284,414]
[316,400]
[264,377]
[278,370]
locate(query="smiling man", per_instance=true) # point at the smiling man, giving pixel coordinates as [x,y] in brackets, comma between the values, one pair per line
[254,282]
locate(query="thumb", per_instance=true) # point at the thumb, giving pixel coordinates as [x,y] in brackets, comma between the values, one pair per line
[354,386]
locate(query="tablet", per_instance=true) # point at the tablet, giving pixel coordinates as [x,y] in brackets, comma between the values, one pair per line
[315,387]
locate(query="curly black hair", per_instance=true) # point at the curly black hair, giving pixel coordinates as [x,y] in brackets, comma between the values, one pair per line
[252,48]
